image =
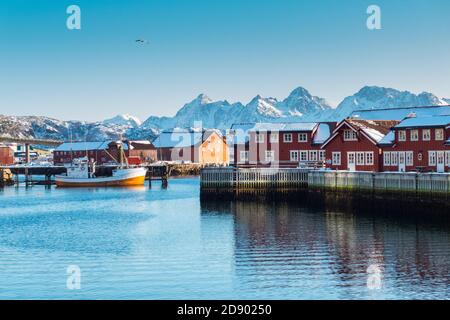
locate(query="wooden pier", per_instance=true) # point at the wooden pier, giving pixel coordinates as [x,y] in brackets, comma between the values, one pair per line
[238,183]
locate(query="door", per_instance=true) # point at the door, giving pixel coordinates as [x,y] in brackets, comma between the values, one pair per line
[440,161]
[402,161]
[351,161]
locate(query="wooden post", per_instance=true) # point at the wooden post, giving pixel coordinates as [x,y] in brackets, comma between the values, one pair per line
[27,153]
[2,178]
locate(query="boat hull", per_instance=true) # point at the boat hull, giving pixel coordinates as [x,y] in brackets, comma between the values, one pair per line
[126,179]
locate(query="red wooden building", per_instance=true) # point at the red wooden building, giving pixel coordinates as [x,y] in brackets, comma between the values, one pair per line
[418,144]
[6,156]
[192,146]
[105,152]
[354,146]
[280,144]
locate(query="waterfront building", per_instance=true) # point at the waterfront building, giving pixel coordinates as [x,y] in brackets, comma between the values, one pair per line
[6,155]
[418,143]
[354,144]
[280,144]
[205,147]
[104,152]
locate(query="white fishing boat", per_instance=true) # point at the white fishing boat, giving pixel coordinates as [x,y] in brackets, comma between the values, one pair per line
[82,173]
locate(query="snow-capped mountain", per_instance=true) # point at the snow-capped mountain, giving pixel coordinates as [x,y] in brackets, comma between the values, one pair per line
[372,97]
[124,120]
[300,105]
[48,128]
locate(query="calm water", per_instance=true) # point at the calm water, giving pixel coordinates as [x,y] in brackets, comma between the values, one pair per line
[154,244]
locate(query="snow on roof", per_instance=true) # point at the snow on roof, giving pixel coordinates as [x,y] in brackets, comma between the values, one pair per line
[436,121]
[323,133]
[376,130]
[388,139]
[399,113]
[83,146]
[288,126]
[241,131]
[182,137]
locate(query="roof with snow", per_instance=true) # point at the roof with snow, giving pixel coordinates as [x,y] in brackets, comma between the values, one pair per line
[388,139]
[181,138]
[416,122]
[287,126]
[374,129]
[399,113]
[241,131]
[83,146]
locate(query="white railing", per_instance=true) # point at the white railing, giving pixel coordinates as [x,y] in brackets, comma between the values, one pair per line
[277,178]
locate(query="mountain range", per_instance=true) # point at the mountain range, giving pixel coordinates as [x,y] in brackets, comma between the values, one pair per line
[300,105]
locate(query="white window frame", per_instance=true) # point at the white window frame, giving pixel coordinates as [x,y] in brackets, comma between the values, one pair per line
[360,158]
[274,137]
[439,137]
[350,135]
[426,135]
[402,135]
[409,158]
[394,159]
[432,158]
[303,156]
[387,159]
[336,159]
[295,158]
[302,134]
[370,160]
[447,158]
[322,155]
[270,155]
[259,138]
[243,156]
[313,155]
[285,137]
[414,135]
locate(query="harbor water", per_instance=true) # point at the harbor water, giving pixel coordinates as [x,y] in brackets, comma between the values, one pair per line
[165,243]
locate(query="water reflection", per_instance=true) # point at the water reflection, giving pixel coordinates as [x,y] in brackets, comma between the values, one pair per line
[312,252]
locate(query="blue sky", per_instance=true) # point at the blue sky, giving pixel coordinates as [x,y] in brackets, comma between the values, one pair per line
[228,49]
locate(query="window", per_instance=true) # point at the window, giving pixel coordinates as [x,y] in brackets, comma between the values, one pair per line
[360,158]
[274,138]
[414,135]
[302,137]
[303,156]
[313,155]
[447,158]
[322,155]
[287,137]
[387,159]
[410,158]
[243,156]
[349,135]
[259,138]
[426,135]
[270,155]
[294,155]
[336,158]
[402,135]
[369,158]
[431,158]
[394,158]
[439,134]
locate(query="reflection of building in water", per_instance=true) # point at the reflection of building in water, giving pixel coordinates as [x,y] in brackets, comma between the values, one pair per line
[356,244]
[280,246]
